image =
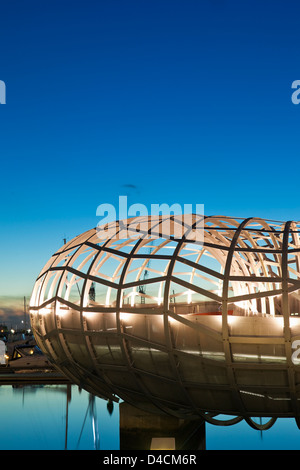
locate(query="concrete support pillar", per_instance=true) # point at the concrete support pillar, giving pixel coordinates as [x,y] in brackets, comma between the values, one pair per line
[141,430]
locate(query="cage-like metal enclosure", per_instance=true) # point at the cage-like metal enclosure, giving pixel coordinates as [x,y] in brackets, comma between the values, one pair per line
[168,323]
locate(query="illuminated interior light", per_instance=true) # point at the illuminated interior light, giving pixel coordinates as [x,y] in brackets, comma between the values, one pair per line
[272,306]
[232,319]
[239,357]
[125,316]
[61,311]
[295,320]
[132,298]
[171,319]
[243,304]
[87,315]
[44,311]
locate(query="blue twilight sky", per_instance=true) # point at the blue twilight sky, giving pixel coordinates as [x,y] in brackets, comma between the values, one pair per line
[165,101]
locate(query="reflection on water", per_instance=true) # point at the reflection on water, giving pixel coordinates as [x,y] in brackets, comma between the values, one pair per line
[284,435]
[56,417]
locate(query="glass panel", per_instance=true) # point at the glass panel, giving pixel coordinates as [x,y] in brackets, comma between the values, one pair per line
[107,350]
[148,294]
[149,359]
[69,318]
[78,349]
[183,300]
[258,353]
[82,260]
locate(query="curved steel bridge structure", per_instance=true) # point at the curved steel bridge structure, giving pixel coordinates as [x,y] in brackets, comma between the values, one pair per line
[175,325]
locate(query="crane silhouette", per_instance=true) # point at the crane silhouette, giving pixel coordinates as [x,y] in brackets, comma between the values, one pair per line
[142,288]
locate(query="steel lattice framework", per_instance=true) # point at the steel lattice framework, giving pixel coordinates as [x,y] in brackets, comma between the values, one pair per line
[172,324]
